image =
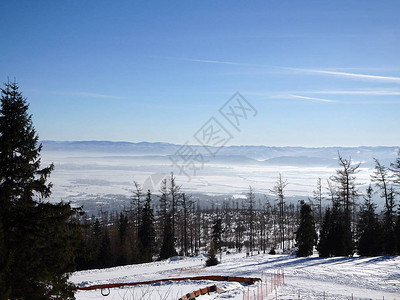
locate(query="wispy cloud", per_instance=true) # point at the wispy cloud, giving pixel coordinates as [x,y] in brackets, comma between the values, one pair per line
[346,74]
[302,70]
[356,92]
[213,61]
[311,98]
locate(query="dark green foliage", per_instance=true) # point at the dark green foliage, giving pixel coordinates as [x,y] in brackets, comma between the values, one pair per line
[306,236]
[104,258]
[325,243]
[4,265]
[168,244]
[389,225]
[333,238]
[397,233]
[347,194]
[39,239]
[122,243]
[146,230]
[217,234]
[212,259]
[368,228]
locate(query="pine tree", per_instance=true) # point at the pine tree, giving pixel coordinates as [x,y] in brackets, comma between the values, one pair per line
[345,179]
[122,247]
[147,232]
[306,236]
[4,265]
[332,237]
[338,232]
[40,239]
[324,246]
[397,233]
[389,224]
[212,258]
[216,234]
[104,257]
[368,228]
[168,245]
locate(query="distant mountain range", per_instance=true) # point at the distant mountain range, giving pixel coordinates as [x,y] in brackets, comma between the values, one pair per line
[259,155]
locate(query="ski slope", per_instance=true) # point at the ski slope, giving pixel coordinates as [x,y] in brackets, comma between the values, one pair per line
[305,278]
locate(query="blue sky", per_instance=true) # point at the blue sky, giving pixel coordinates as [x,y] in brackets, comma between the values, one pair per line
[319,73]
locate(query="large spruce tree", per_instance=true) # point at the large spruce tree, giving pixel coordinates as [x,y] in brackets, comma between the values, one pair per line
[306,236]
[147,231]
[325,246]
[168,243]
[368,228]
[38,239]
[347,194]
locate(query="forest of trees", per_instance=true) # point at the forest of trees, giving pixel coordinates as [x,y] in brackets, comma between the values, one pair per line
[348,223]
[41,243]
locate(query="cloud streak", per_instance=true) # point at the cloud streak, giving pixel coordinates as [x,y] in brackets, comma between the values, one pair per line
[221,62]
[346,74]
[356,92]
[311,98]
[302,70]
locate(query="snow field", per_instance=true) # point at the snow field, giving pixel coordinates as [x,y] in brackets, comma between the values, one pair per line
[305,278]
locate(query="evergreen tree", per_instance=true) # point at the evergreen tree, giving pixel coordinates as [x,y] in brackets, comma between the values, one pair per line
[212,258]
[332,238]
[306,236]
[122,248]
[389,224]
[369,230]
[338,233]
[345,180]
[4,265]
[104,256]
[40,239]
[168,245]
[397,233]
[147,231]
[216,234]
[324,246]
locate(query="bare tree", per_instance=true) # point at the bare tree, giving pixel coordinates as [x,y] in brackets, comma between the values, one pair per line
[250,210]
[137,202]
[278,190]
[175,193]
[395,168]
[381,177]
[332,192]
[317,195]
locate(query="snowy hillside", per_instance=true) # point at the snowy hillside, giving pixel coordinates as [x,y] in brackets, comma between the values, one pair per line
[305,278]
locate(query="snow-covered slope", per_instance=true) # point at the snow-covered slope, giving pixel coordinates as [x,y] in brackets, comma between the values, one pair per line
[305,278]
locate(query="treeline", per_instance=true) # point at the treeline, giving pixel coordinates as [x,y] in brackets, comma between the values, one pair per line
[171,223]
[348,227]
